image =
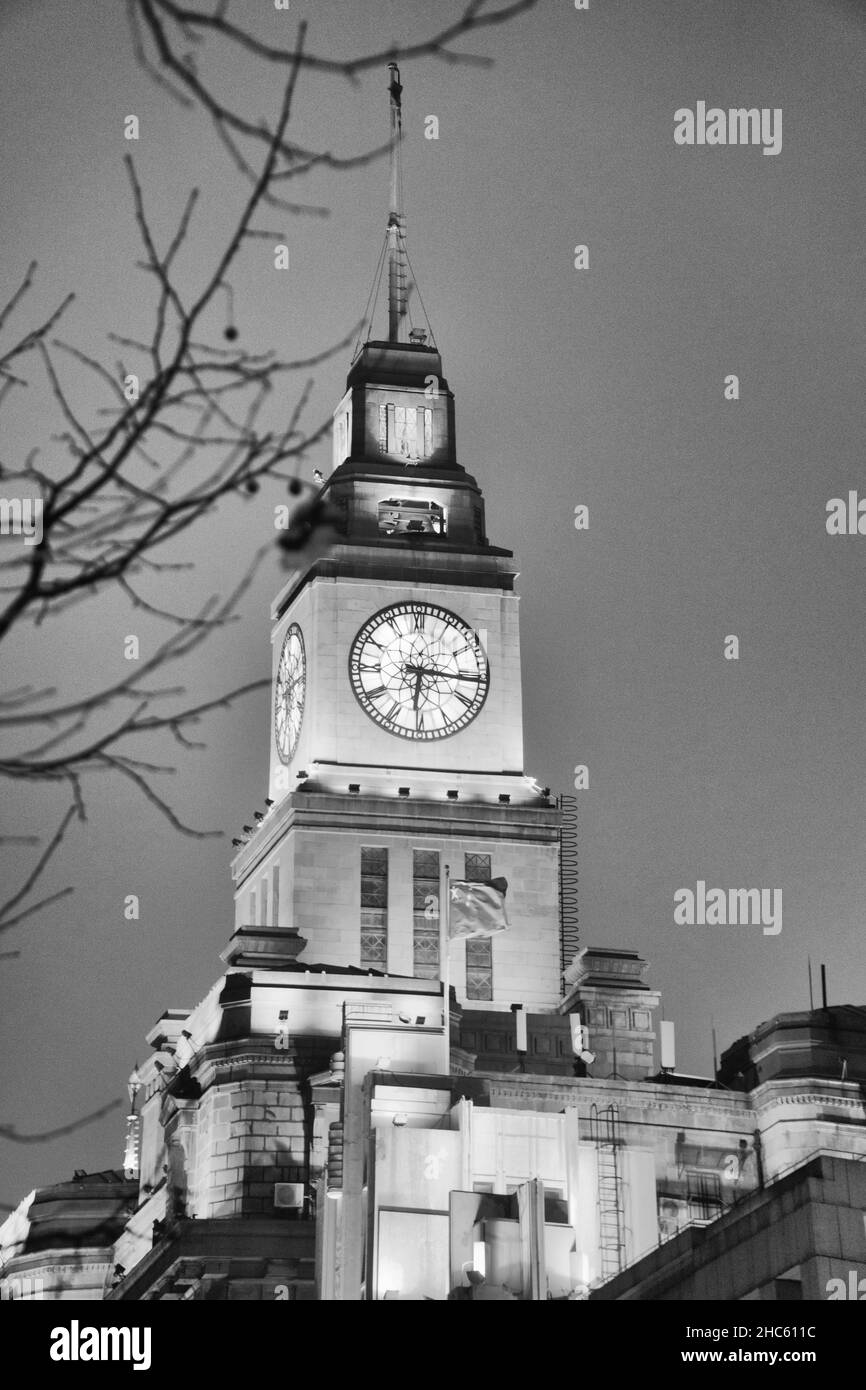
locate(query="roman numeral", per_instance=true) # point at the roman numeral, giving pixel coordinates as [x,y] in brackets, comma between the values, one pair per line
[375,694]
[464,699]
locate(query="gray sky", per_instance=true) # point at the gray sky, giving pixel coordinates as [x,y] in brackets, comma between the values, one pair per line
[601,387]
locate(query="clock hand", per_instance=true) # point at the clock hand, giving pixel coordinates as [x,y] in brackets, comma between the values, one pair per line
[451,675]
[418,679]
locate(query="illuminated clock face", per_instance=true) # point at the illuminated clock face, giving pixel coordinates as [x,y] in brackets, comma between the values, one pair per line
[291,690]
[418,671]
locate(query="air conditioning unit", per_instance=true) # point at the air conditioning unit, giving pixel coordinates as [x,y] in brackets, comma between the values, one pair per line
[289,1196]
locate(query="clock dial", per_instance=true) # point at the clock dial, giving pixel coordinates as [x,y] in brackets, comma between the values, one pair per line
[290,693]
[418,671]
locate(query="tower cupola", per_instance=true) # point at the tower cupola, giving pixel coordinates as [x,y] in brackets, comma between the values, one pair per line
[395,476]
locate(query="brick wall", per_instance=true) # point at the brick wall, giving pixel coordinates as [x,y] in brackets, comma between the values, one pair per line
[250,1137]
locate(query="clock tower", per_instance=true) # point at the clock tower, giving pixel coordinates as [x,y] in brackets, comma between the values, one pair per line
[396,742]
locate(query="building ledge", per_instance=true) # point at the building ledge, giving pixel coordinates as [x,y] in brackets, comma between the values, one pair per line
[220,1244]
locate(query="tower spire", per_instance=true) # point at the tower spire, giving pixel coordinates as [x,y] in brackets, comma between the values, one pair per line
[396,253]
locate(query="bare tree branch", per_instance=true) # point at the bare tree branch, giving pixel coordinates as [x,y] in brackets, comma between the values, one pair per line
[176,432]
[36,872]
[11,1133]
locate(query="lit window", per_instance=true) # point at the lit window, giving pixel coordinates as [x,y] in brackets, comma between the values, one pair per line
[405,440]
[406,431]
[342,438]
[400,514]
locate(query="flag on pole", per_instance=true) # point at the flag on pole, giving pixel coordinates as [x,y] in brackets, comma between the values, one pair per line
[476,909]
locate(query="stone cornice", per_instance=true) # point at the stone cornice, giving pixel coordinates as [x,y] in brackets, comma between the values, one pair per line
[381,814]
[644,1094]
[842,1095]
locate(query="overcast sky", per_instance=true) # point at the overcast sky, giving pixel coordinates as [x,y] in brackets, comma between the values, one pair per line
[601,387]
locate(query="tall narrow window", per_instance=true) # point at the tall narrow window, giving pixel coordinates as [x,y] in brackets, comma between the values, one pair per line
[425,913]
[374,908]
[275,894]
[264,921]
[479,949]
[405,431]
[342,438]
[252,909]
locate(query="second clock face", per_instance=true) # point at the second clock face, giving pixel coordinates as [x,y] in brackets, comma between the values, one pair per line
[290,693]
[418,671]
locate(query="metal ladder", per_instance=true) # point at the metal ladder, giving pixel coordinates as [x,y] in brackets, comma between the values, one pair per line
[604,1131]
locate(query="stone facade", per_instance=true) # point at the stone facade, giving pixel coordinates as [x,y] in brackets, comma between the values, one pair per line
[317,842]
[304,1129]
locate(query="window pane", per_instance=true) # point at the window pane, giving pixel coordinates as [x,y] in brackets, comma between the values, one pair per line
[374,949]
[374,892]
[374,908]
[479,968]
[425,918]
[479,984]
[478,868]
[426,949]
[374,861]
[704,1196]
[479,951]
[406,426]
[425,863]
[425,894]
[555,1208]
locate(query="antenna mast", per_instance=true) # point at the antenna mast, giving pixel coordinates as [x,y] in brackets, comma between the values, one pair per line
[396,258]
